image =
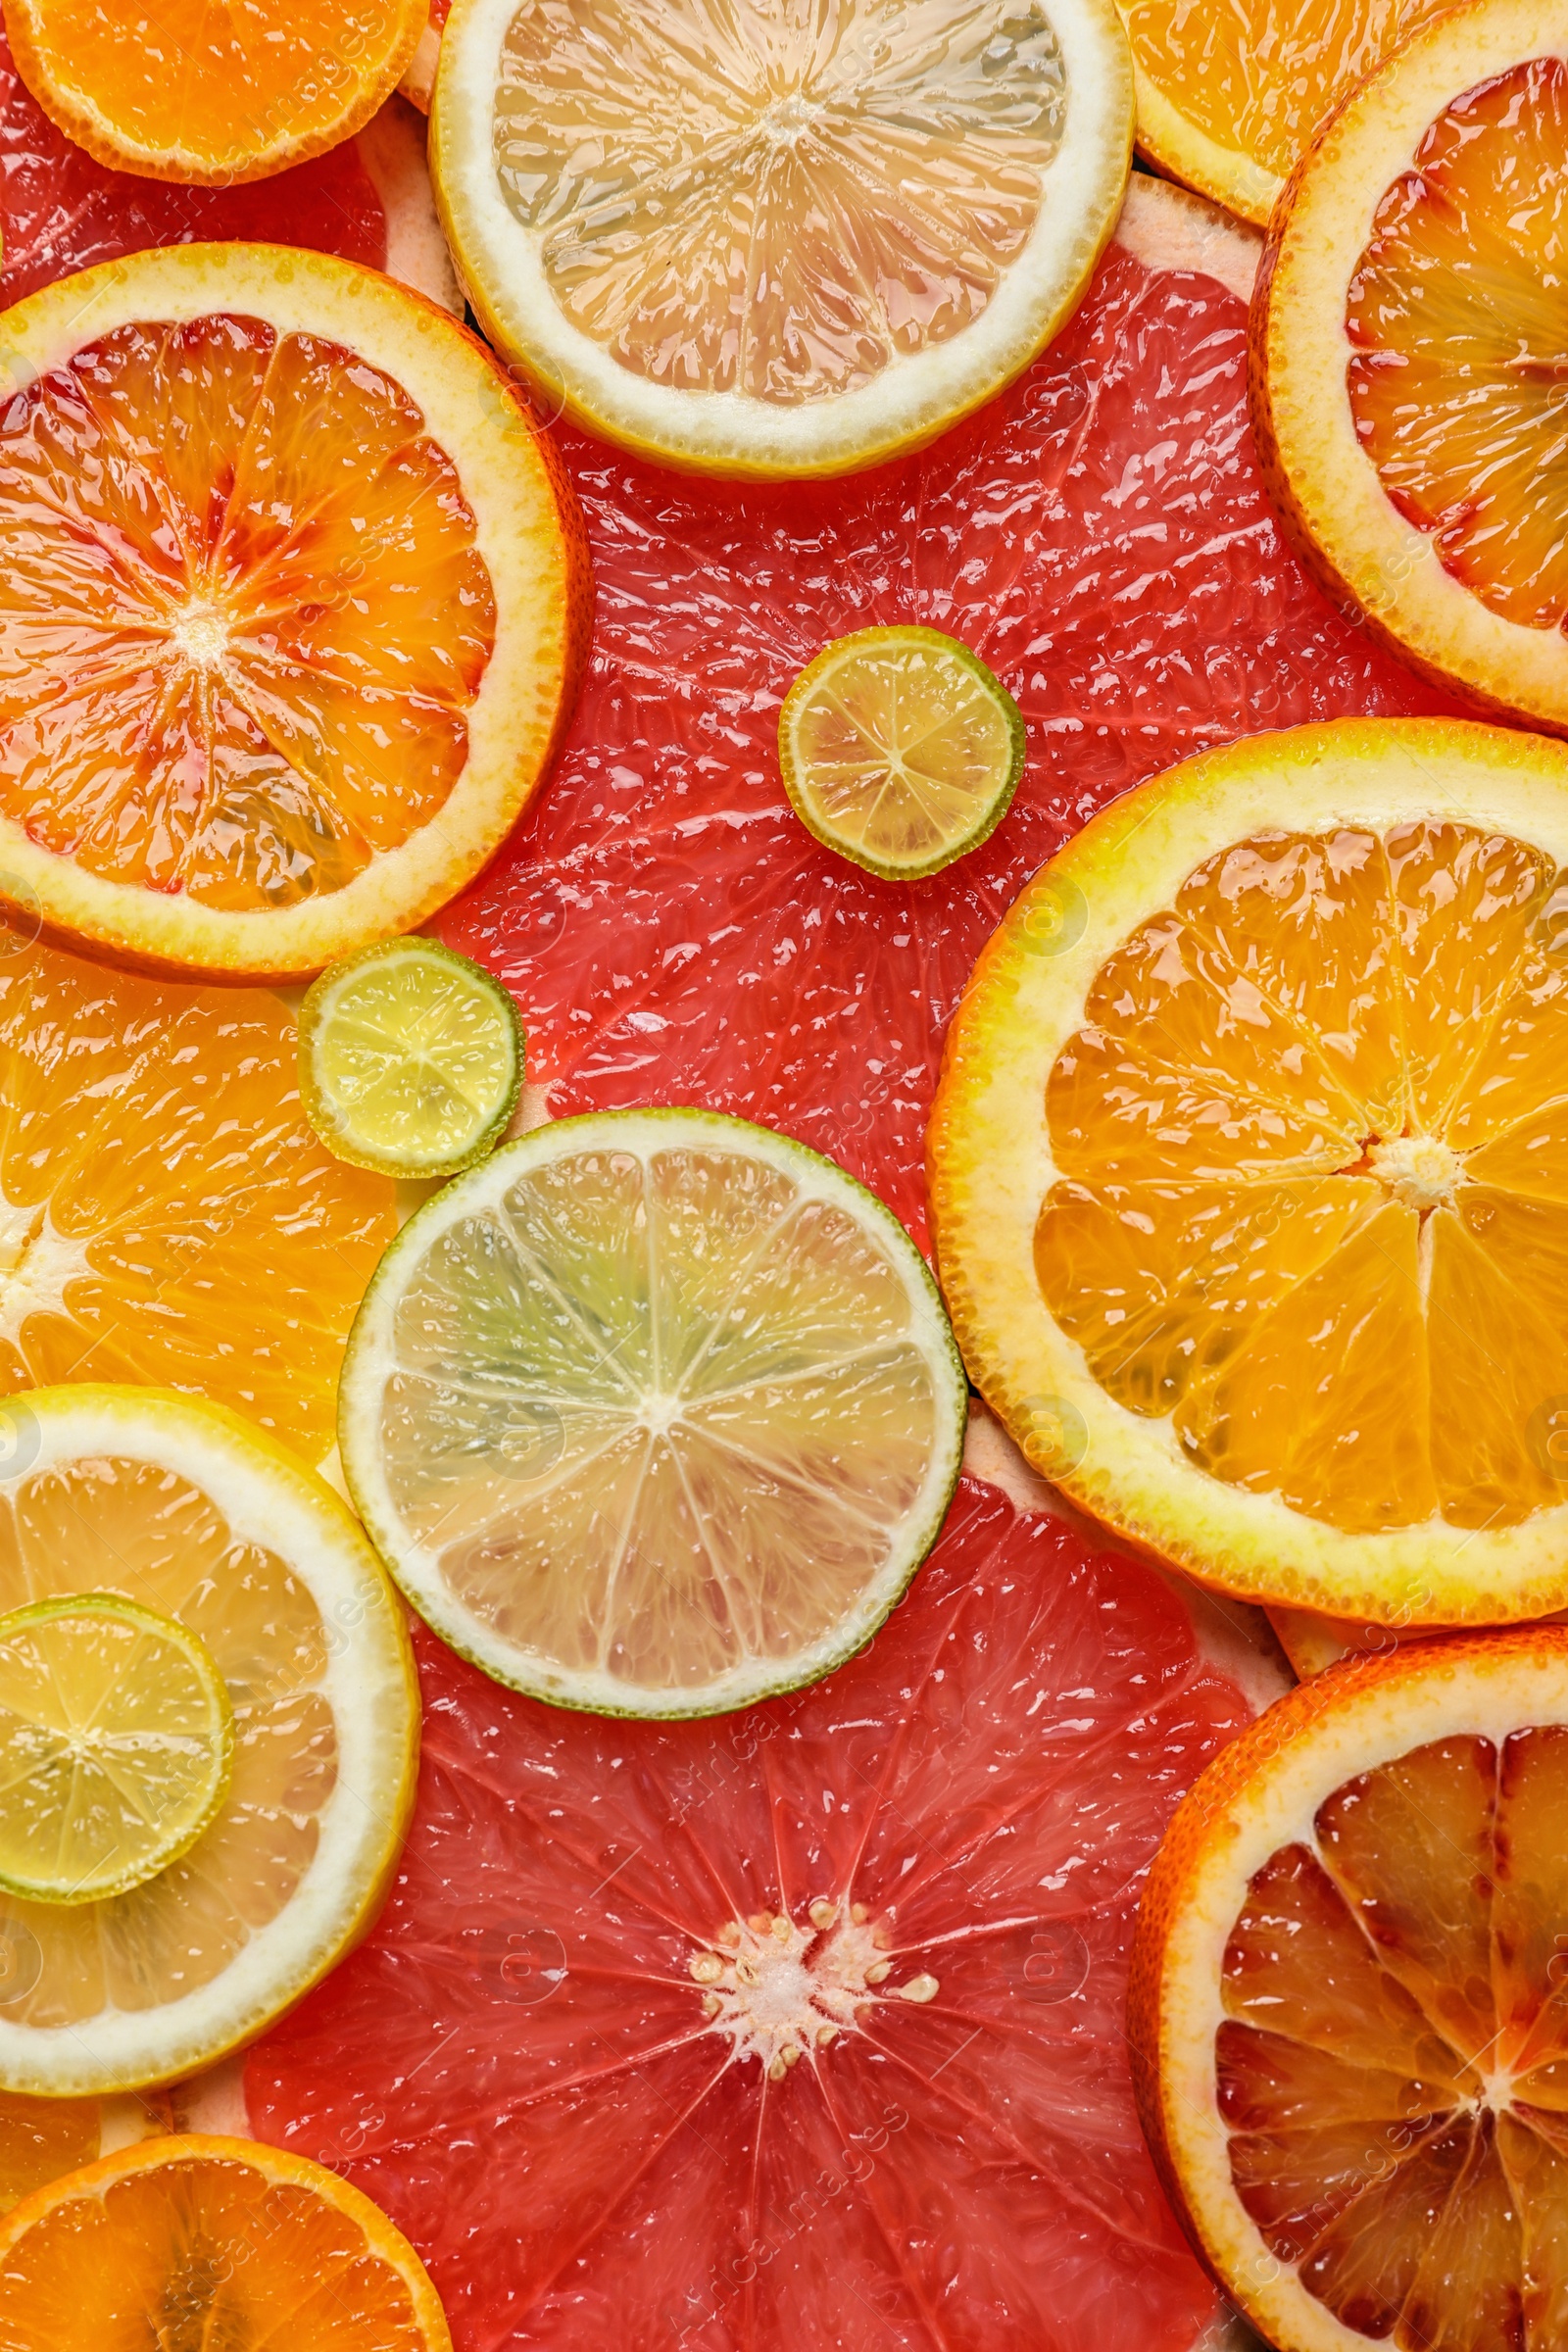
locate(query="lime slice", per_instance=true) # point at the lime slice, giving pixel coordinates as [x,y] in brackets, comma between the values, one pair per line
[654,1413]
[411,1058]
[899,750]
[116,1746]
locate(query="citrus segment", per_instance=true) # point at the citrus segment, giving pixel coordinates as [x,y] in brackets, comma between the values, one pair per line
[1346,2020]
[40,2140]
[185,1511]
[894,209]
[655,1412]
[1406,348]
[117,1745]
[293,581]
[899,750]
[411,1058]
[184,95]
[227,2242]
[546,2063]
[1239,1175]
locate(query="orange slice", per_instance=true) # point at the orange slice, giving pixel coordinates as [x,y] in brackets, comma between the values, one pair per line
[191,93]
[1247,1168]
[294,606]
[40,2140]
[1349,2013]
[1408,348]
[198,2242]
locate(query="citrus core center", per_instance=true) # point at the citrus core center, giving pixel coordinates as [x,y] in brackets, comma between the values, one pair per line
[778,1986]
[1416,1169]
[202,634]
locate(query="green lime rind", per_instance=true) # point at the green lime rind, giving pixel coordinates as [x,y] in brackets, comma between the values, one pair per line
[990,808]
[369,1359]
[333,1120]
[159,1853]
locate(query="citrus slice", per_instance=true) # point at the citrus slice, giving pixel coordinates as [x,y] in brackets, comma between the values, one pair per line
[294,612]
[756,245]
[182,94]
[186,1511]
[418,82]
[167,1216]
[117,1745]
[1229,100]
[899,750]
[653,1413]
[1242,1169]
[539,2061]
[1348,2015]
[210,2241]
[411,1058]
[1405,402]
[40,2140]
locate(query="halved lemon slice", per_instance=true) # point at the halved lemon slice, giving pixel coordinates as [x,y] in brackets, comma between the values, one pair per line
[778,244]
[117,1745]
[295,605]
[1247,1169]
[1408,354]
[211,2242]
[1348,2016]
[183,1510]
[653,1413]
[899,750]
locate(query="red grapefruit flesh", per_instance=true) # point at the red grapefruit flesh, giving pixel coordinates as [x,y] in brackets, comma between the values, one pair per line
[1099,535]
[519,2067]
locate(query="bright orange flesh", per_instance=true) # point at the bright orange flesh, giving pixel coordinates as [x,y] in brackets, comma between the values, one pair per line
[243,613]
[1311,1199]
[1455,312]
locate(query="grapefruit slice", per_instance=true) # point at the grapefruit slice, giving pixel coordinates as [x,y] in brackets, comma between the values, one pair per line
[767,244]
[547,2064]
[1406,394]
[1347,2012]
[300,615]
[1099,536]
[1241,1169]
[186,1511]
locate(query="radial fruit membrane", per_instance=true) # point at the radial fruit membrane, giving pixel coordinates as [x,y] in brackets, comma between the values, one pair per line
[1455,320]
[1311,1200]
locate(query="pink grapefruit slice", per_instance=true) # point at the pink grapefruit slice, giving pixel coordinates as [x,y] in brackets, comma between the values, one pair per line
[1100,536]
[799,2027]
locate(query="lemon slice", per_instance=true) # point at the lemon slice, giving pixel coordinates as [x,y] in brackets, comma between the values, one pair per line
[899,750]
[791,245]
[229,1546]
[411,1058]
[654,1413]
[116,1746]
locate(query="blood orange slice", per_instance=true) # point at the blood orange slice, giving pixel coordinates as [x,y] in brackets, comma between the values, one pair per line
[800,2027]
[1099,536]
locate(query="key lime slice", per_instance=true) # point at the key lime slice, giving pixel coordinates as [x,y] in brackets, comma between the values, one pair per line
[899,750]
[411,1058]
[654,1413]
[116,1746]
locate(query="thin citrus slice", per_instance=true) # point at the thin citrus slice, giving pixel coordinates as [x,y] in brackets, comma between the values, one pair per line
[188,93]
[187,1511]
[196,2241]
[545,2064]
[759,243]
[1347,2013]
[166,1213]
[411,1058]
[117,1745]
[655,1412]
[899,750]
[294,611]
[1407,349]
[1242,1169]
[1229,99]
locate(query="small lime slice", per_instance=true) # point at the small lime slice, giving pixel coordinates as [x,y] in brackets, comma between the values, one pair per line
[654,1413]
[411,1058]
[116,1746]
[899,750]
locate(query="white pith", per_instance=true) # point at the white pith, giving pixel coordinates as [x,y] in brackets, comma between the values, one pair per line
[777,1987]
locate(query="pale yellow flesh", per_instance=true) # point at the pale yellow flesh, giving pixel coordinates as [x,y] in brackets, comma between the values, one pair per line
[412,1059]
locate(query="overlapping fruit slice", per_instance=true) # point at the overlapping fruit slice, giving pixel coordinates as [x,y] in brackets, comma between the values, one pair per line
[41,2139]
